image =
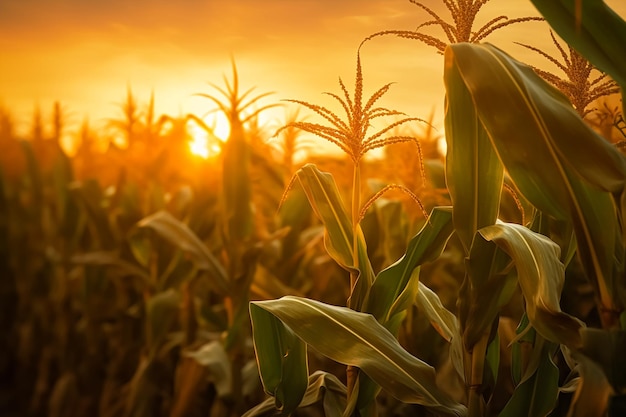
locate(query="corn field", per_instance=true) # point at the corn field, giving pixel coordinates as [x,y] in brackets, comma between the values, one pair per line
[138,279]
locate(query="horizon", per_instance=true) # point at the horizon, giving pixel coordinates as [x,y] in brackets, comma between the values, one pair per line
[92,53]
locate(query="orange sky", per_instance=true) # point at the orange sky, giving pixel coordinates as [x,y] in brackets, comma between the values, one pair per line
[84,53]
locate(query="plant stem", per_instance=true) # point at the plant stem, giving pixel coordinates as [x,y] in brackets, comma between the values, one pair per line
[352,372]
[476,404]
[356,210]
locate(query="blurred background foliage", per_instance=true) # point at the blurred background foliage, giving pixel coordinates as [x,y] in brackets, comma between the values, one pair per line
[123,291]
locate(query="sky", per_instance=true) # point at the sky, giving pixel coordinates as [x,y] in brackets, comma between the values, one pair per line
[85,53]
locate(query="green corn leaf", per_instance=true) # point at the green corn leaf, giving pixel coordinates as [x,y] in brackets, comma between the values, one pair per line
[176,271]
[533,126]
[557,162]
[112,260]
[537,394]
[488,286]
[333,391]
[492,359]
[181,236]
[294,213]
[425,246]
[322,386]
[560,232]
[357,339]
[440,317]
[388,229]
[525,336]
[161,312]
[325,199]
[141,247]
[541,275]
[405,300]
[595,31]
[597,227]
[474,174]
[281,358]
[214,357]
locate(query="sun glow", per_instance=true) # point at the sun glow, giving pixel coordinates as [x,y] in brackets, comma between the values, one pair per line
[201,143]
[219,123]
[207,145]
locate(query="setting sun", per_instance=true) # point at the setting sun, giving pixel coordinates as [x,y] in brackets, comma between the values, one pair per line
[207,144]
[199,146]
[202,143]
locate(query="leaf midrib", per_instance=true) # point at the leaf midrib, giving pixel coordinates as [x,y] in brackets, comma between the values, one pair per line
[367,343]
[547,139]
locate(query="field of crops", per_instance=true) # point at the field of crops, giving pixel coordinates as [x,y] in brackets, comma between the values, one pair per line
[139,279]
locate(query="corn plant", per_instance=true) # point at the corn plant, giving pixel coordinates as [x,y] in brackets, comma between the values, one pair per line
[501,119]
[225,266]
[124,292]
[291,144]
[282,354]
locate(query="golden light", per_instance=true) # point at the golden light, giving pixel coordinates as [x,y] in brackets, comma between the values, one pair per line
[219,124]
[200,143]
[199,146]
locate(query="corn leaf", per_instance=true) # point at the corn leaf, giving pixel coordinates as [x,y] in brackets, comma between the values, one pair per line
[214,357]
[595,31]
[357,339]
[405,300]
[181,236]
[492,361]
[387,232]
[525,336]
[593,393]
[537,394]
[440,317]
[322,386]
[112,260]
[541,275]
[325,199]
[294,213]
[488,286]
[161,312]
[474,174]
[557,162]
[281,358]
[425,246]
[533,126]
